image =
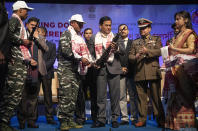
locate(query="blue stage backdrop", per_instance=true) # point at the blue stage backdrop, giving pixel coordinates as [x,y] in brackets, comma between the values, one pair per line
[55,17]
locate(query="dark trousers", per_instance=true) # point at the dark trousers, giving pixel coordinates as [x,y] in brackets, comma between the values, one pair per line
[142,88]
[113,82]
[89,80]
[80,103]
[27,109]
[133,98]
[3,72]
[47,92]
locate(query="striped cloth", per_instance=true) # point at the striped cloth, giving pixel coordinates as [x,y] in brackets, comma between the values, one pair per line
[103,41]
[80,50]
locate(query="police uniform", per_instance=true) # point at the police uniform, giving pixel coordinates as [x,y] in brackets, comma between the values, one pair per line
[147,73]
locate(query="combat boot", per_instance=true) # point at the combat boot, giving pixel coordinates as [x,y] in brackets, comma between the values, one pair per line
[6,127]
[64,126]
[74,125]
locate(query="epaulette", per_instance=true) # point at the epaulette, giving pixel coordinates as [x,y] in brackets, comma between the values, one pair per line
[136,39]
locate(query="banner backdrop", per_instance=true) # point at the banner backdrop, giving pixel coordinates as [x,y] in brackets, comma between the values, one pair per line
[55,17]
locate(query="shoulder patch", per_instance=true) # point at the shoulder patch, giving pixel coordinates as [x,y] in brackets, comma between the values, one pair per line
[136,39]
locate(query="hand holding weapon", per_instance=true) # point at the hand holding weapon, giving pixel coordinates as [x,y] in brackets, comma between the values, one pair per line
[31,37]
[105,55]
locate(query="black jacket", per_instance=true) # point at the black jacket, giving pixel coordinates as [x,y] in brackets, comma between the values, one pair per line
[124,59]
[50,57]
[4,43]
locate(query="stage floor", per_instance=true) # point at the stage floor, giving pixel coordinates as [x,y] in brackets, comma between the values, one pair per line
[43,126]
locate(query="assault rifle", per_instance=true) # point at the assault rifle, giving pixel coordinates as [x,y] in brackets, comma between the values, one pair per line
[31,37]
[105,55]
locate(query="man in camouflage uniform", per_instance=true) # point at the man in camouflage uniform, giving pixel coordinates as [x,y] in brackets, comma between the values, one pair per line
[68,75]
[17,69]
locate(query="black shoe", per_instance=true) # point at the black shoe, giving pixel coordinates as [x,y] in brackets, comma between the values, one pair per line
[93,125]
[21,125]
[161,125]
[32,125]
[115,124]
[133,122]
[124,123]
[80,122]
[52,122]
[97,125]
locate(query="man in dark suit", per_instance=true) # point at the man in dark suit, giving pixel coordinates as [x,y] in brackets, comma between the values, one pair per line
[127,79]
[49,58]
[109,72]
[145,54]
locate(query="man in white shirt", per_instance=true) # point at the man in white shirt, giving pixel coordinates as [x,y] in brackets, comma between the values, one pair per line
[108,73]
[126,79]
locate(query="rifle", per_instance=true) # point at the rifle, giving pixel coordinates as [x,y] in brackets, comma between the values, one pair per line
[105,55]
[31,37]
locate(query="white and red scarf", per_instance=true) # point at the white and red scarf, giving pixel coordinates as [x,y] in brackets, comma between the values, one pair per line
[80,50]
[23,35]
[103,41]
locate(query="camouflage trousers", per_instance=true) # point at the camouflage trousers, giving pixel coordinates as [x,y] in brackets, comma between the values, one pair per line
[67,93]
[12,91]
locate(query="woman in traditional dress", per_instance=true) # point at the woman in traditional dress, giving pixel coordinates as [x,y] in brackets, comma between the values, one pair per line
[180,108]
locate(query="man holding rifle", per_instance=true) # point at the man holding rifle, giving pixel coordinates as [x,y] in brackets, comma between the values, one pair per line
[108,72]
[28,106]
